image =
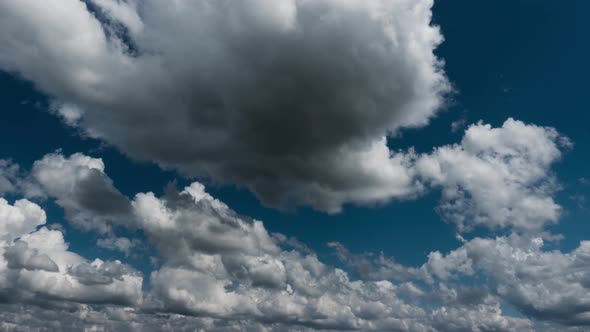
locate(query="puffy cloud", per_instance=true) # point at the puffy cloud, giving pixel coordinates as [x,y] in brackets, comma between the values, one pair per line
[80,186]
[247,274]
[293,102]
[488,316]
[19,219]
[230,272]
[44,270]
[39,267]
[191,221]
[19,256]
[497,177]
[548,285]
[224,266]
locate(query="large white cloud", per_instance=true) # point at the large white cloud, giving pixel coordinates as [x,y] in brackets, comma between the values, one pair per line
[291,99]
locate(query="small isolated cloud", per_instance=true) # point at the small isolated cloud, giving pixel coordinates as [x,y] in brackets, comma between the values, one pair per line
[458,125]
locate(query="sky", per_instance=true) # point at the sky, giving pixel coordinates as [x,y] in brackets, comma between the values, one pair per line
[264,165]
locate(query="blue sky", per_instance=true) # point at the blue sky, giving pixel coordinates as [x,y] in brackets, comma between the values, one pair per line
[525,60]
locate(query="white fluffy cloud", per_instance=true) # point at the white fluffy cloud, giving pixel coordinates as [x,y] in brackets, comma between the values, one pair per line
[39,267]
[218,264]
[291,99]
[497,177]
[19,219]
[549,285]
[214,264]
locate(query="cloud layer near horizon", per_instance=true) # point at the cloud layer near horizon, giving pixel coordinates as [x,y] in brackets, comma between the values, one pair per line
[219,270]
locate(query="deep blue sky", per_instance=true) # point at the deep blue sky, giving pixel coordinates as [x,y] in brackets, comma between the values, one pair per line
[521,59]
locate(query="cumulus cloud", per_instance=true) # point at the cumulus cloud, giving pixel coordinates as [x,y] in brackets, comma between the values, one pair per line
[247,273]
[38,267]
[294,100]
[79,185]
[228,272]
[497,177]
[19,256]
[19,219]
[548,285]
[291,99]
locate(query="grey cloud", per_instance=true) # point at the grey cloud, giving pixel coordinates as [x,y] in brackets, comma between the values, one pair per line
[9,172]
[292,102]
[370,266]
[101,273]
[95,193]
[35,270]
[80,186]
[19,256]
[226,270]
[122,244]
[218,264]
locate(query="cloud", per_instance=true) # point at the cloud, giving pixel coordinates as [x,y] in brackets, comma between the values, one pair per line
[369,266]
[9,172]
[229,267]
[293,102]
[51,273]
[38,266]
[19,219]
[80,186]
[19,256]
[122,244]
[218,269]
[497,177]
[548,285]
